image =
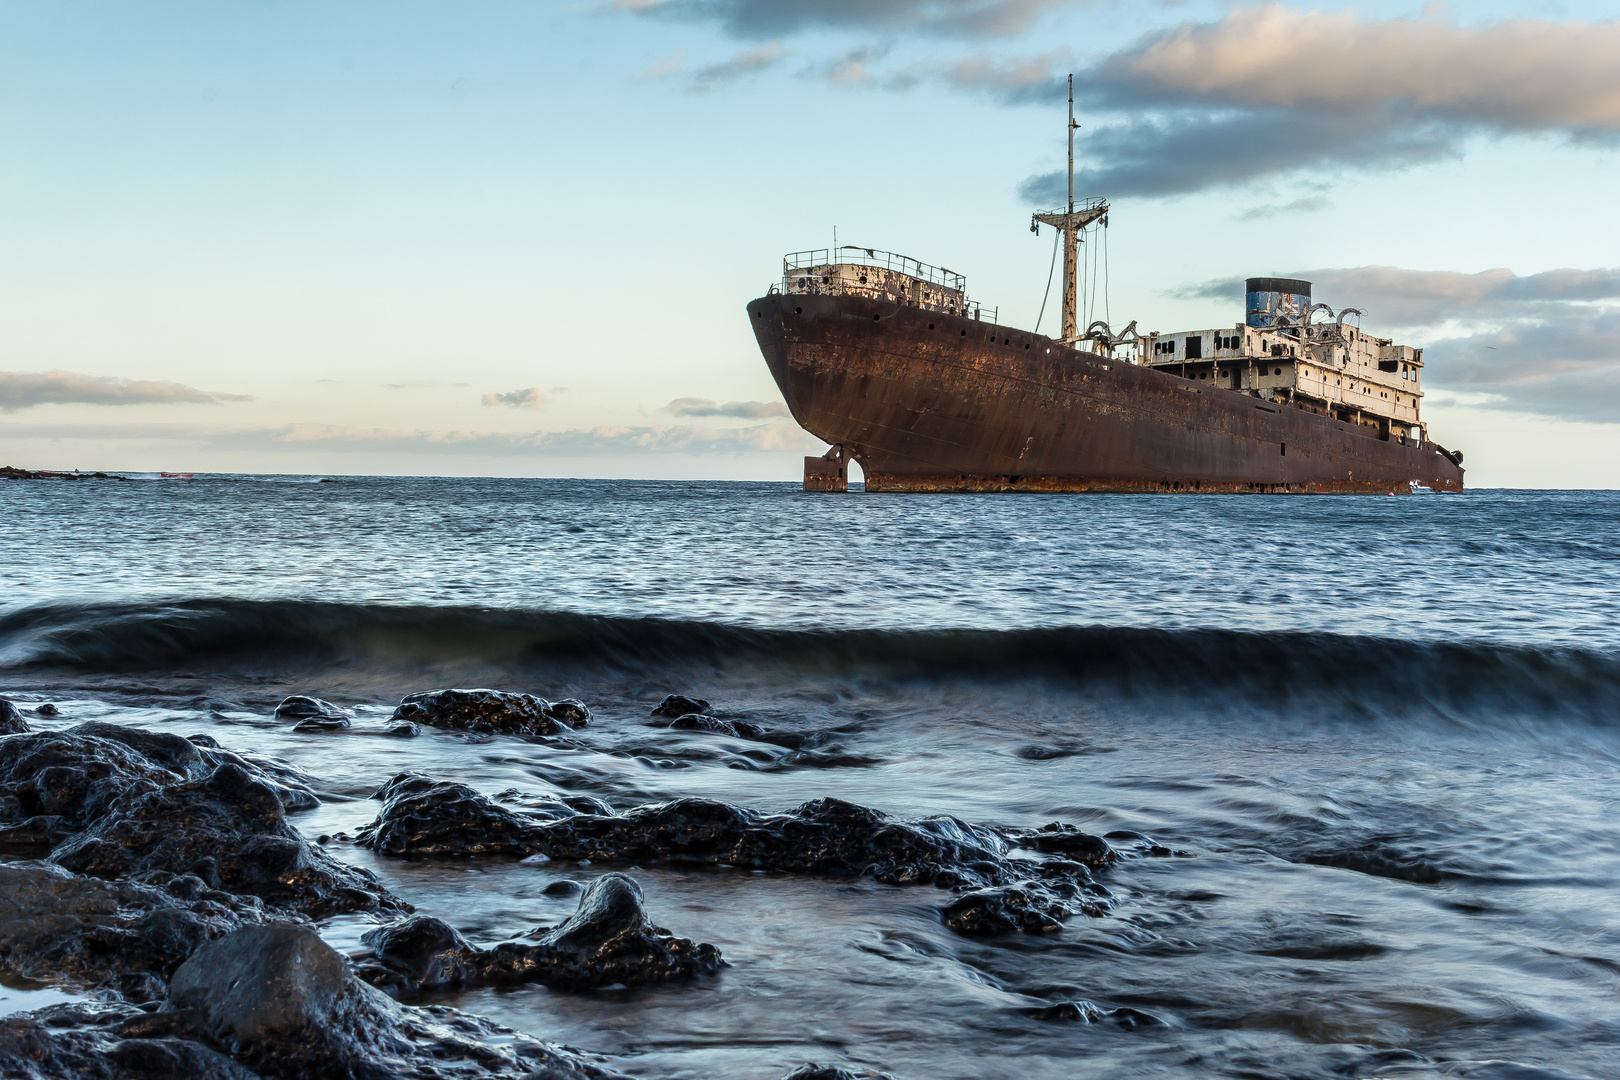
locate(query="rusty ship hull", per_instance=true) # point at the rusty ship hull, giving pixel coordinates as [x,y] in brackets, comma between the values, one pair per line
[934,402]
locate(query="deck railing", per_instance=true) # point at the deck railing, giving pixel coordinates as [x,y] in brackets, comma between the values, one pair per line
[856,255]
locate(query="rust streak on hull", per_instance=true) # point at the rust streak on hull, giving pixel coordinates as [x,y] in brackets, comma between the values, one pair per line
[933,402]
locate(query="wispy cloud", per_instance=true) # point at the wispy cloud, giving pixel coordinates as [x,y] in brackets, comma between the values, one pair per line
[747,62]
[662,69]
[974,19]
[531,397]
[27,389]
[741,410]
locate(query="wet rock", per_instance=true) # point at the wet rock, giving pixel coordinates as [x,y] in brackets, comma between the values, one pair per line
[311,714]
[570,711]
[1026,906]
[46,709]
[423,816]
[230,830]
[86,934]
[52,783]
[678,705]
[204,740]
[1060,839]
[11,719]
[487,712]
[1084,1012]
[404,730]
[737,729]
[608,941]
[284,1003]
[563,887]
[304,707]
[811,1071]
[86,1043]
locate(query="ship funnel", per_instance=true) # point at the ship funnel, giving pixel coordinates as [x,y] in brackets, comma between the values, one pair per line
[1273,298]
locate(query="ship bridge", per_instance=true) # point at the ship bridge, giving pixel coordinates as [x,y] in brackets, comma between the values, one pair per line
[852,270]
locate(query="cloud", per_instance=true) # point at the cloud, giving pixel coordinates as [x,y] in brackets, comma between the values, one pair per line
[26,389]
[1546,343]
[776,18]
[741,410]
[664,68]
[747,62]
[528,398]
[415,384]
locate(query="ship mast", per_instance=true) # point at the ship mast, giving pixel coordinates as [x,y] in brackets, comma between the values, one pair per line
[1072,224]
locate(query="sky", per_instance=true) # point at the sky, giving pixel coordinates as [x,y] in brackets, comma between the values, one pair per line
[517,239]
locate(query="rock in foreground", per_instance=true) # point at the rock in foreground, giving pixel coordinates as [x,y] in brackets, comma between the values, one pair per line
[829,837]
[608,941]
[492,712]
[62,928]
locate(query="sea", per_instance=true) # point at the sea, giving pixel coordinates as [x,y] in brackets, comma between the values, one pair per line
[1382,734]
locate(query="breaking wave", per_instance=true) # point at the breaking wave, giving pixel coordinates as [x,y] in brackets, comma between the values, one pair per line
[1251,666]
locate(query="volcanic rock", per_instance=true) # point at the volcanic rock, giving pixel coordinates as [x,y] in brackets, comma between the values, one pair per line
[737,729]
[609,940]
[11,719]
[312,714]
[678,705]
[570,711]
[228,829]
[282,1002]
[488,712]
[87,934]
[811,1071]
[83,1042]
[1027,906]
[46,709]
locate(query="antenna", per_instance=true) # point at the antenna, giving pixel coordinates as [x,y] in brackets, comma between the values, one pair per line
[1073,224]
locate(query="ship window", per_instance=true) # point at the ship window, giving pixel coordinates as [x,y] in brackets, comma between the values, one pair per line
[930,326]
[1277,372]
[964,333]
[1195,348]
[798,311]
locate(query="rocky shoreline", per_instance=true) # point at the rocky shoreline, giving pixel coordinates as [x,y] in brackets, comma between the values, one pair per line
[159,877]
[11,472]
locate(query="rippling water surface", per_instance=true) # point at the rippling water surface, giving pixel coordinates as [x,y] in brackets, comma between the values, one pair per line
[1383,731]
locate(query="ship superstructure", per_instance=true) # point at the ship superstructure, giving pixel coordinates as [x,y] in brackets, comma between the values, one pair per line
[889,360]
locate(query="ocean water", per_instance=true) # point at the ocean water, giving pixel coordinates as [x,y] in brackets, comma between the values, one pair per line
[1384,732]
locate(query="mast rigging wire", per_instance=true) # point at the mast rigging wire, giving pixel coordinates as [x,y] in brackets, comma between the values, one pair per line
[1048,293]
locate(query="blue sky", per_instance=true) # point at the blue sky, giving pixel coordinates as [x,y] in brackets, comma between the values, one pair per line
[517,239]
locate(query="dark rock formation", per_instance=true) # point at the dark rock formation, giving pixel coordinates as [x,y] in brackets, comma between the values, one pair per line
[1031,906]
[570,711]
[113,802]
[1084,1012]
[46,709]
[228,829]
[608,941]
[274,1003]
[737,729]
[678,705]
[487,712]
[1000,890]
[83,1042]
[284,1003]
[811,1071]
[312,714]
[88,934]
[1060,839]
[11,719]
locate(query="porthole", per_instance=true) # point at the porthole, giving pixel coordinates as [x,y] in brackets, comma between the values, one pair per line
[875,318]
[1026,346]
[930,326]
[964,333]
[798,311]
